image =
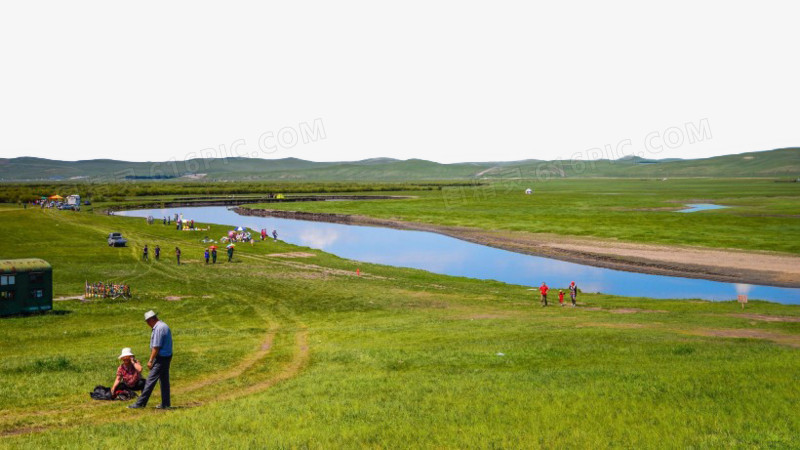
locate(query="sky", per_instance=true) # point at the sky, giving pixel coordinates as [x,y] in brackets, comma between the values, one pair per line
[442,81]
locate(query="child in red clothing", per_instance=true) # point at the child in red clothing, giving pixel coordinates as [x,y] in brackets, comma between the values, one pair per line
[561,298]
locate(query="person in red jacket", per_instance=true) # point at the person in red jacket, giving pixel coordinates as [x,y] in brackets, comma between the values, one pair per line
[561,297]
[543,289]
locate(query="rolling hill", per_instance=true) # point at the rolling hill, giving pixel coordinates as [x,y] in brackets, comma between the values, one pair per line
[773,163]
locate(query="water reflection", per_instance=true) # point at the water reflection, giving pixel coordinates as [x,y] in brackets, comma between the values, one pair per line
[694,207]
[446,255]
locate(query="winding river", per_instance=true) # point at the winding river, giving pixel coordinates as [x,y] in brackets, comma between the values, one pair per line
[449,256]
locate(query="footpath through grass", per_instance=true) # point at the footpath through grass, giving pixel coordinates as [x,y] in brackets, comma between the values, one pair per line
[764,214]
[296,350]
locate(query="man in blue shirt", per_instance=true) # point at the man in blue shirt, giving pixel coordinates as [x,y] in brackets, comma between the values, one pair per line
[160,359]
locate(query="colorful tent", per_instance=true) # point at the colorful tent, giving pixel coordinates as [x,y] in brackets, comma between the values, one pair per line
[55,197]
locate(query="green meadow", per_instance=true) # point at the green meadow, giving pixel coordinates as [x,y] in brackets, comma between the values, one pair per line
[286,347]
[764,214]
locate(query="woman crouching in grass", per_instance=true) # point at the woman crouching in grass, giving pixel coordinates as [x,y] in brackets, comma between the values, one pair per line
[129,374]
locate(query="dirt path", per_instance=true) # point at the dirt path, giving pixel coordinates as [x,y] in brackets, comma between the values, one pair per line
[736,266]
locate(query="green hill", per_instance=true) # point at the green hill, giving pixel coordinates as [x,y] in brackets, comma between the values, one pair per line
[773,163]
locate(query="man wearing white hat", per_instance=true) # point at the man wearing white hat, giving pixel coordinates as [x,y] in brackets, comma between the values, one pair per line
[160,359]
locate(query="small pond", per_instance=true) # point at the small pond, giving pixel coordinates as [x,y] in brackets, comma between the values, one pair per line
[694,207]
[445,255]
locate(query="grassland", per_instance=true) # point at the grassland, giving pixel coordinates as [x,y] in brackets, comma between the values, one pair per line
[299,352]
[763,214]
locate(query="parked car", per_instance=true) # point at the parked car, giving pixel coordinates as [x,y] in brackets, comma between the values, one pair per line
[66,206]
[116,240]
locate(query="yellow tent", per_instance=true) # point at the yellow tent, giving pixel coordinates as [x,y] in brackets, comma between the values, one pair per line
[55,197]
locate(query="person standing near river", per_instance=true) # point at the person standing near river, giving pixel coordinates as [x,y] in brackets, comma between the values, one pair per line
[561,297]
[573,292]
[275,235]
[543,290]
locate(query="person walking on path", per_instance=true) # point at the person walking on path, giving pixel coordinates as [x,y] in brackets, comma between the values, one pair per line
[230,253]
[157,252]
[573,292]
[543,290]
[275,235]
[160,360]
[213,256]
[561,297]
[144,253]
[178,255]
[206,256]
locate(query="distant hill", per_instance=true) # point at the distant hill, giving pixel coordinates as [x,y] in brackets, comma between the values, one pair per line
[772,163]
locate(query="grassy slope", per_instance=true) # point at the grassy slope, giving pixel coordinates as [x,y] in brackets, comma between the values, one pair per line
[782,162]
[405,360]
[764,216]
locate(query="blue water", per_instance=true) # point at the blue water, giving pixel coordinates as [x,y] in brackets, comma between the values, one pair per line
[694,207]
[445,255]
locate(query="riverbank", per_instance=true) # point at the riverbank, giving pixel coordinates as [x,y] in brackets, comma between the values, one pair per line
[233,201]
[726,265]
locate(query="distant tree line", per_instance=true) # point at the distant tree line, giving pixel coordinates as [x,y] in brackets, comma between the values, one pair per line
[103,192]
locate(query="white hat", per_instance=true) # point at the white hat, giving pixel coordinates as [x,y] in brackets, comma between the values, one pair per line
[149,315]
[125,352]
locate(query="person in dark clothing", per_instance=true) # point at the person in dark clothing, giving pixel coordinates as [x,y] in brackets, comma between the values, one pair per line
[573,292]
[160,360]
[275,235]
[178,255]
[206,255]
[144,254]
[157,252]
[213,256]
[230,254]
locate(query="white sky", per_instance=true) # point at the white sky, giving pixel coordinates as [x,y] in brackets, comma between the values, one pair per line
[455,81]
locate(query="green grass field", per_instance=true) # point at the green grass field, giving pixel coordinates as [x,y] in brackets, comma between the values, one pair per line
[764,214]
[299,352]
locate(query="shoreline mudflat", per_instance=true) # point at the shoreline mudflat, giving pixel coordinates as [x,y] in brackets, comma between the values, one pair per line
[726,265]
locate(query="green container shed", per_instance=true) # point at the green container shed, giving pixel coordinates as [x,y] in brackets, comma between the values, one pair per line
[26,285]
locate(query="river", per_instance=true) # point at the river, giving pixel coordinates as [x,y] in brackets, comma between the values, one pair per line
[449,256]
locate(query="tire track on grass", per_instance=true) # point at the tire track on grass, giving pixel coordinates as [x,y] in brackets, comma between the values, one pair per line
[299,360]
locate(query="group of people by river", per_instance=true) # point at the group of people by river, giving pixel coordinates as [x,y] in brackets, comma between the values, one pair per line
[210,252]
[573,293]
